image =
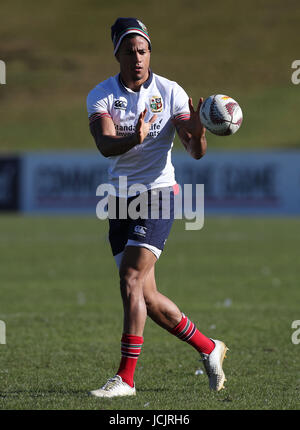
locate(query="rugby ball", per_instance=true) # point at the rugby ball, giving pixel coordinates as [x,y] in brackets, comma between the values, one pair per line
[221,115]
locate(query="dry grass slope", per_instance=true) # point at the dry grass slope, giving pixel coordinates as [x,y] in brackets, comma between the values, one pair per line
[56,52]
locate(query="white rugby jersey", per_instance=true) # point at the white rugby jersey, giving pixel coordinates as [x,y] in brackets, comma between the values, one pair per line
[148,163]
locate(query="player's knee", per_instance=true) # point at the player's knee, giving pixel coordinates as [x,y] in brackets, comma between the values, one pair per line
[131,282]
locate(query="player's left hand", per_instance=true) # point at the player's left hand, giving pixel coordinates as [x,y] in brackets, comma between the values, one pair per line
[193,126]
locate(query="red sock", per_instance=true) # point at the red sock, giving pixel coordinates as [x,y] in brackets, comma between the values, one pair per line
[187,331]
[130,350]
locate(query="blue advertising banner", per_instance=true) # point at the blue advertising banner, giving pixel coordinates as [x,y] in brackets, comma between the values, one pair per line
[266,183]
[9,183]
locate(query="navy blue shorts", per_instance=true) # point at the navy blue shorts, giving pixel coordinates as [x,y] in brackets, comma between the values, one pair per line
[147,222]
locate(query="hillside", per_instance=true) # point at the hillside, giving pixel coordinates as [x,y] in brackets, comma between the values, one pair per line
[56,52]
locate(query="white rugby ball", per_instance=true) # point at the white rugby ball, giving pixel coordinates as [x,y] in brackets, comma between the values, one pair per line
[221,115]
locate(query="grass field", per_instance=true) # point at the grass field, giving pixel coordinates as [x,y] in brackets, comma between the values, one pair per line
[237,279]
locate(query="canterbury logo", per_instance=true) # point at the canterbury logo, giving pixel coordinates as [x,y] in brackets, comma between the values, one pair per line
[140,230]
[120,104]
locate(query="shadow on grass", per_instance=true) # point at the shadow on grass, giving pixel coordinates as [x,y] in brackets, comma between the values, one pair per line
[45,393]
[152,390]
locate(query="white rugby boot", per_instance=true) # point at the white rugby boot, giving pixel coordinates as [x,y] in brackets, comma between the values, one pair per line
[114,387]
[213,365]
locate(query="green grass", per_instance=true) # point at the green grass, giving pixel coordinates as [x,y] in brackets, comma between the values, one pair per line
[237,279]
[56,52]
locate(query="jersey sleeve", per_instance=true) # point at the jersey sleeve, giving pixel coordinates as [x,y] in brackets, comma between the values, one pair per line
[97,105]
[181,109]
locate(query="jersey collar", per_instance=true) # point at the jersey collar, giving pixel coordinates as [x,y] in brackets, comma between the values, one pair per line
[146,84]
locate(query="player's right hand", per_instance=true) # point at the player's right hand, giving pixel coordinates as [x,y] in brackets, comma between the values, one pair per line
[142,127]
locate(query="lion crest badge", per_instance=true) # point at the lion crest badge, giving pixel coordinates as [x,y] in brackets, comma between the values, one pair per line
[156,104]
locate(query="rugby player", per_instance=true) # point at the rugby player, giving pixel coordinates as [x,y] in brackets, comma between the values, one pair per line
[133,118]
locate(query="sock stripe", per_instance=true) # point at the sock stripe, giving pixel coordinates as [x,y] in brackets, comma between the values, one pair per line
[188,338]
[188,322]
[188,332]
[128,355]
[129,349]
[128,345]
[128,352]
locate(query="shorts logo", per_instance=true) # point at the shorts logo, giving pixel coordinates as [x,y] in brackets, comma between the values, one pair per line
[156,104]
[140,230]
[120,103]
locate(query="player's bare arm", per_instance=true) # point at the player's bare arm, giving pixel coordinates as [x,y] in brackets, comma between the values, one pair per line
[109,144]
[192,132]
